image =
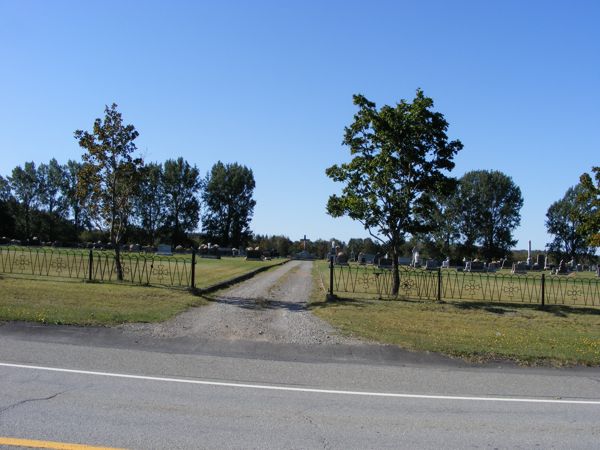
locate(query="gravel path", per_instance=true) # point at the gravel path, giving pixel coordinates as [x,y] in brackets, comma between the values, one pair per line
[271,307]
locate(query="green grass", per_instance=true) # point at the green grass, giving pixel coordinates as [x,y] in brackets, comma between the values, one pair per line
[74,302]
[138,268]
[213,271]
[576,289]
[558,335]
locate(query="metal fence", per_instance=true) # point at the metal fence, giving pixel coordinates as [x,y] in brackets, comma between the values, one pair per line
[448,284]
[98,266]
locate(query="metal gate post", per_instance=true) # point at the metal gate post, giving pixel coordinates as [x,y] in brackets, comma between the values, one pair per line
[91,265]
[193,278]
[331,295]
[439,283]
[543,289]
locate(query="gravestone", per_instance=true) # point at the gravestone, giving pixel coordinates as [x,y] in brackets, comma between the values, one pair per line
[562,268]
[432,264]
[475,266]
[385,263]
[520,268]
[164,250]
[446,263]
[369,258]
[341,259]
[416,260]
[253,254]
[404,261]
[361,259]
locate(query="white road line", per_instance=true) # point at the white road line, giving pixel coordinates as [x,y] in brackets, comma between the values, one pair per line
[307,390]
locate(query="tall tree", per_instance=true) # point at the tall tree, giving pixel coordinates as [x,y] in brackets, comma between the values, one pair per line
[490,204]
[228,202]
[5,191]
[181,185]
[150,201]
[25,186]
[590,194]
[400,158]
[75,194]
[563,220]
[51,178]
[445,231]
[111,172]
[7,209]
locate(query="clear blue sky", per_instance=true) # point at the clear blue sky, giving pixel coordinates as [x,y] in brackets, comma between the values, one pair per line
[270,84]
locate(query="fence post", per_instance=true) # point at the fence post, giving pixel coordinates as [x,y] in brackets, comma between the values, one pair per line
[439,283]
[91,265]
[543,289]
[330,295]
[193,269]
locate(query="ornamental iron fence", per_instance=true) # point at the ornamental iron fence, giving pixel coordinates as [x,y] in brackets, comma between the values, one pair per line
[98,266]
[448,284]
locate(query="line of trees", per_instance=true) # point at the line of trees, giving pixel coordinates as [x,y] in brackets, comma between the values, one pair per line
[397,185]
[574,220]
[111,194]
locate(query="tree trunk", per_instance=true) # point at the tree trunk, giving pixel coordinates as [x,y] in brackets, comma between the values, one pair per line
[395,271]
[118,265]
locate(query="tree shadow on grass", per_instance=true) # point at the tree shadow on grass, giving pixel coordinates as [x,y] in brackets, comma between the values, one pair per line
[504,308]
[256,303]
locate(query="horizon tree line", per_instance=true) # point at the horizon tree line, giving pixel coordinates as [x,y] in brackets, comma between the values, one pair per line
[112,194]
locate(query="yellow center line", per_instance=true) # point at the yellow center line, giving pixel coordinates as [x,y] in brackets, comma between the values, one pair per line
[49,444]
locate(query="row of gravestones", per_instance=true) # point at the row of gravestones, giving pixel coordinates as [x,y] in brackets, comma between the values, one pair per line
[470,266]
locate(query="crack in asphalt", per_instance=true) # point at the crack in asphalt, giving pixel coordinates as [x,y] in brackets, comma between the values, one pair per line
[29,400]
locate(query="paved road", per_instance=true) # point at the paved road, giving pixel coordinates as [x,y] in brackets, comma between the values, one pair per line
[197,400]
[220,383]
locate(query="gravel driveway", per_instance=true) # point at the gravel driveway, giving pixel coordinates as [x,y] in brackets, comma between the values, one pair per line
[271,307]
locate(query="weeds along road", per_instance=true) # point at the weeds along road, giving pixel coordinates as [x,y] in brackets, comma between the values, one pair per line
[142,388]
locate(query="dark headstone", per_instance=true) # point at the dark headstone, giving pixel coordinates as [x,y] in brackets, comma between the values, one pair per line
[385,263]
[432,264]
[341,259]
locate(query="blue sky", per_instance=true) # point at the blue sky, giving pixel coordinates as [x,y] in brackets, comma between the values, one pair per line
[270,84]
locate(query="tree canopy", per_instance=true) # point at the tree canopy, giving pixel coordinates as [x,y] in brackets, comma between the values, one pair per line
[400,158]
[490,209]
[564,221]
[590,195]
[108,179]
[228,202]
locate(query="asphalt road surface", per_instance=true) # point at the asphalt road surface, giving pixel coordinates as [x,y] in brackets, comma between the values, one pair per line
[119,388]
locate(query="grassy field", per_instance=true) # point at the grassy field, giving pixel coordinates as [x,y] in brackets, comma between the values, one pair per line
[74,302]
[575,289]
[138,268]
[213,271]
[558,335]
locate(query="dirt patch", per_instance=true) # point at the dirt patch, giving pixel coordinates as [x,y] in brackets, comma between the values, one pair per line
[270,307]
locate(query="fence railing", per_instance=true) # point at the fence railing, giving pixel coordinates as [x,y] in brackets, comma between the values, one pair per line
[448,284]
[98,266]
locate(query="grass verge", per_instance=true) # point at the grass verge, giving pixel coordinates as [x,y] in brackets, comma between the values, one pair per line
[528,335]
[73,302]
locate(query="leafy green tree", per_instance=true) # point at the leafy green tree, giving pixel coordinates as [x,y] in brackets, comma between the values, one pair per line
[7,209]
[444,233]
[181,186]
[150,201]
[490,209]
[111,173]
[73,193]
[51,179]
[228,203]
[5,191]
[25,186]
[563,220]
[400,158]
[590,195]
